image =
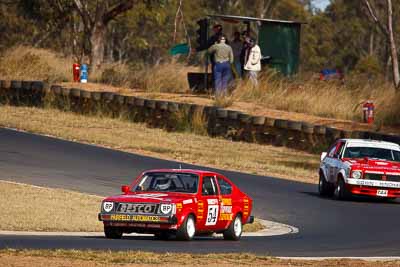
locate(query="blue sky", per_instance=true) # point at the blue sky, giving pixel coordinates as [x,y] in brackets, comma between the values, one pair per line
[321,4]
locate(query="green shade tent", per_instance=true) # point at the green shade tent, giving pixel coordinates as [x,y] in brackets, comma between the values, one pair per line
[279,41]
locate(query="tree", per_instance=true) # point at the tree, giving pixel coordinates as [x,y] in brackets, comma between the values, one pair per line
[387,30]
[95,20]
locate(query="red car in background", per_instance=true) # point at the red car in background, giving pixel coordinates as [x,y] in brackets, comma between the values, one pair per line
[360,167]
[181,203]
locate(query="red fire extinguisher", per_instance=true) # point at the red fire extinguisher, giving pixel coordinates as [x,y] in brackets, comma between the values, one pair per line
[368,111]
[76,72]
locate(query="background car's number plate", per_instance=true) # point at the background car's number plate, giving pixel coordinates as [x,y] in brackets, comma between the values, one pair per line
[382,193]
[212,215]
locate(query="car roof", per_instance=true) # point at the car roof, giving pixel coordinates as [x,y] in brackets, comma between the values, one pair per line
[198,172]
[371,143]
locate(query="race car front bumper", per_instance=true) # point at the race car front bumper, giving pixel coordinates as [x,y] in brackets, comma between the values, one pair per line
[373,188]
[128,218]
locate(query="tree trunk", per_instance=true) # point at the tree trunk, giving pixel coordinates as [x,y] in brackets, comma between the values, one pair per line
[97,42]
[371,43]
[393,48]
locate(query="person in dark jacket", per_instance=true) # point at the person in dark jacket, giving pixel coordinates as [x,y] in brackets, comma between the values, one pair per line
[217,29]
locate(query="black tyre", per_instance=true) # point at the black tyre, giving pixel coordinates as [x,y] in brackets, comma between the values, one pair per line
[325,188]
[112,232]
[187,230]
[234,231]
[341,192]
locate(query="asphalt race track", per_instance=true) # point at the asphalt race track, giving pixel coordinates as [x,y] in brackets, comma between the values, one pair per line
[327,228]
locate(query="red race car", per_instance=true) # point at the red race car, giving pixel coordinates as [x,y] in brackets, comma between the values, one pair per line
[181,203]
[360,167]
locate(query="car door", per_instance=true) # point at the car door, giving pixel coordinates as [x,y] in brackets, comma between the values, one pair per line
[226,202]
[338,158]
[211,204]
[329,162]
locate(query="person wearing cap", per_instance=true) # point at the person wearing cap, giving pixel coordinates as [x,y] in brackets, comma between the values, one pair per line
[223,58]
[217,29]
[253,61]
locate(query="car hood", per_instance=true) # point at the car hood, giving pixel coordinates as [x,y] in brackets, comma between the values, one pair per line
[373,164]
[152,197]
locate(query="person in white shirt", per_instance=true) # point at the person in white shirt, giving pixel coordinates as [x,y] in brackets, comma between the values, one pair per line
[253,61]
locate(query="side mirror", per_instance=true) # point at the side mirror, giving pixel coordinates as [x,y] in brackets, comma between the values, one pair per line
[323,155]
[125,189]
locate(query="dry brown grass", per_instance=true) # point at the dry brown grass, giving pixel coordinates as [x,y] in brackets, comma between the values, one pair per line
[32,208]
[167,78]
[254,227]
[300,94]
[330,99]
[223,101]
[26,63]
[137,258]
[186,147]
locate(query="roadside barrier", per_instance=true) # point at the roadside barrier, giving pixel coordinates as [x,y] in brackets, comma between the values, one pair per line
[230,124]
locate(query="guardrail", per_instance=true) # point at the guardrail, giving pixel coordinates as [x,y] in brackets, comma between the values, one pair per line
[230,124]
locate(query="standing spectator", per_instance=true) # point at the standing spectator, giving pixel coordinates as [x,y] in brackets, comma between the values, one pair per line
[253,63]
[223,58]
[217,29]
[237,46]
[245,51]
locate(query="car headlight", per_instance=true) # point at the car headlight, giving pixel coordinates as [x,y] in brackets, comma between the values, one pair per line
[108,206]
[356,174]
[167,208]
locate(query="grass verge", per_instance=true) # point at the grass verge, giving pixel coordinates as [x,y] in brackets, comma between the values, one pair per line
[32,208]
[134,258]
[186,147]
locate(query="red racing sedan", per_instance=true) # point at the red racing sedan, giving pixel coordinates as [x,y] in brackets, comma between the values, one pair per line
[180,203]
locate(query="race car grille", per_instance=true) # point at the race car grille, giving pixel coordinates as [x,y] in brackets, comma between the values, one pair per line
[137,208]
[373,176]
[393,178]
[382,177]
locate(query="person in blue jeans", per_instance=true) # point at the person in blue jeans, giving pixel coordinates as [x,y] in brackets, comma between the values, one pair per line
[223,58]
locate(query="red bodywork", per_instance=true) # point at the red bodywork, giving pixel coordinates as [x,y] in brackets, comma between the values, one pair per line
[186,204]
[377,175]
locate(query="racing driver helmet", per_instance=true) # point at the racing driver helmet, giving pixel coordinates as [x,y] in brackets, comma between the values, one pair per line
[163,184]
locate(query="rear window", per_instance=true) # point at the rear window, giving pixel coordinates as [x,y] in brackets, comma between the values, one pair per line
[224,186]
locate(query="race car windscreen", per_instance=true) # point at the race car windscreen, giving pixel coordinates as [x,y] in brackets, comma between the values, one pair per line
[168,182]
[372,152]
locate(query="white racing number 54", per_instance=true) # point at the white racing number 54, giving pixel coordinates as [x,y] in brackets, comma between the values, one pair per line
[212,215]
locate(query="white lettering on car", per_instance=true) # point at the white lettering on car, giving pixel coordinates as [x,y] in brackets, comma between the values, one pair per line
[226,209]
[212,201]
[187,201]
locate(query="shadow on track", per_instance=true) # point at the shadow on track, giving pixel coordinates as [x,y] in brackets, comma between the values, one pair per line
[356,199]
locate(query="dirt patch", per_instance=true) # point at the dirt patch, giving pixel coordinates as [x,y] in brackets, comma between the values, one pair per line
[247,107]
[132,258]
